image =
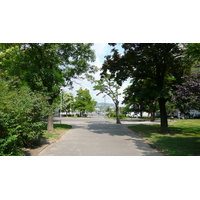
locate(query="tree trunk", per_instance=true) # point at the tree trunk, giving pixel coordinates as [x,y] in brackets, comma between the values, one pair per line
[152,117]
[50,127]
[152,113]
[141,113]
[117,113]
[163,115]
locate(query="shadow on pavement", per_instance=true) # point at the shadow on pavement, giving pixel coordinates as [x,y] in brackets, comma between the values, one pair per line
[105,126]
[122,130]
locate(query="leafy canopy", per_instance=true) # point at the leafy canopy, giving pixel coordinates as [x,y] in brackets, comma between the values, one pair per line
[107,86]
[84,101]
[48,66]
[161,64]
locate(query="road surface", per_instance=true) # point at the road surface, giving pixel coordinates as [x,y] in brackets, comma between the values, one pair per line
[98,136]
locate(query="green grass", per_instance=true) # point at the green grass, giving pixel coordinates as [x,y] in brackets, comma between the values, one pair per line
[55,134]
[183,139]
[120,118]
[62,126]
[48,135]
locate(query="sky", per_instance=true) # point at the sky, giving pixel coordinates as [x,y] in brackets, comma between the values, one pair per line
[101,50]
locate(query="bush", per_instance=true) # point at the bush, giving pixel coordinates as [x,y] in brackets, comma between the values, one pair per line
[70,115]
[21,114]
[113,114]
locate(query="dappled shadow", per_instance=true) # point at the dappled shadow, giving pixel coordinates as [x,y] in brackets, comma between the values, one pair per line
[103,126]
[134,120]
[146,147]
[180,141]
[180,146]
[26,152]
[122,130]
[185,130]
[33,151]
[62,126]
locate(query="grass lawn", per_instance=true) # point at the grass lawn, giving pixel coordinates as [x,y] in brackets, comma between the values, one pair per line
[183,139]
[58,128]
[120,118]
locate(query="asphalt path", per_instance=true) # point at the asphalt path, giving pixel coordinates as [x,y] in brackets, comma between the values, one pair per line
[98,136]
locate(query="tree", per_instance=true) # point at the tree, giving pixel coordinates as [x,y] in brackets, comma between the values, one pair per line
[161,64]
[107,86]
[67,101]
[140,96]
[187,94]
[84,102]
[47,67]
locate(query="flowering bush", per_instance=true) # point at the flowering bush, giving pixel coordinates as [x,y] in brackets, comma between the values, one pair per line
[187,95]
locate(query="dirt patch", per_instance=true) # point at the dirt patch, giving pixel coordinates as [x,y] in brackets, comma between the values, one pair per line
[44,144]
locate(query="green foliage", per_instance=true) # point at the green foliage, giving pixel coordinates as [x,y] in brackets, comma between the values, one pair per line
[21,114]
[113,115]
[140,97]
[67,101]
[187,95]
[9,146]
[158,66]
[192,53]
[84,102]
[106,85]
[46,67]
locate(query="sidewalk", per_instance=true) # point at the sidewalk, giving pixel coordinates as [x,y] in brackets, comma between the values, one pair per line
[99,137]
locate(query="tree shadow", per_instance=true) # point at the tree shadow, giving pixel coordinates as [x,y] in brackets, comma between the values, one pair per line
[185,130]
[31,151]
[180,146]
[122,130]
[134,120]
[181,141]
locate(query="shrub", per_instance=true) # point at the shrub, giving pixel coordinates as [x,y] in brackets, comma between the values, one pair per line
[21,114]
[113,114]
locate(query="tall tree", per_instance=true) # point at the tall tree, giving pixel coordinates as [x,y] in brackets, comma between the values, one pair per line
[84,102]
[47,67]
[162,64]
[108,86]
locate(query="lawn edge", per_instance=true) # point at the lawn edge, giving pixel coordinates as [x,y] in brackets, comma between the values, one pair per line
[152,145]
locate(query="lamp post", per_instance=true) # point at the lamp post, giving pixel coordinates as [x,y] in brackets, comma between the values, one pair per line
[61,107]
[104,105]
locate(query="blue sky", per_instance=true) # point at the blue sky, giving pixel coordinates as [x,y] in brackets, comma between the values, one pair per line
[101,50]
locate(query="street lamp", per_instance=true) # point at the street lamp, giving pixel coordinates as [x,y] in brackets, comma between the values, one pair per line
[104,104]
[60,106]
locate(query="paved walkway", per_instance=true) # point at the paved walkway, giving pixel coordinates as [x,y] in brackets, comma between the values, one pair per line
[98,136]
